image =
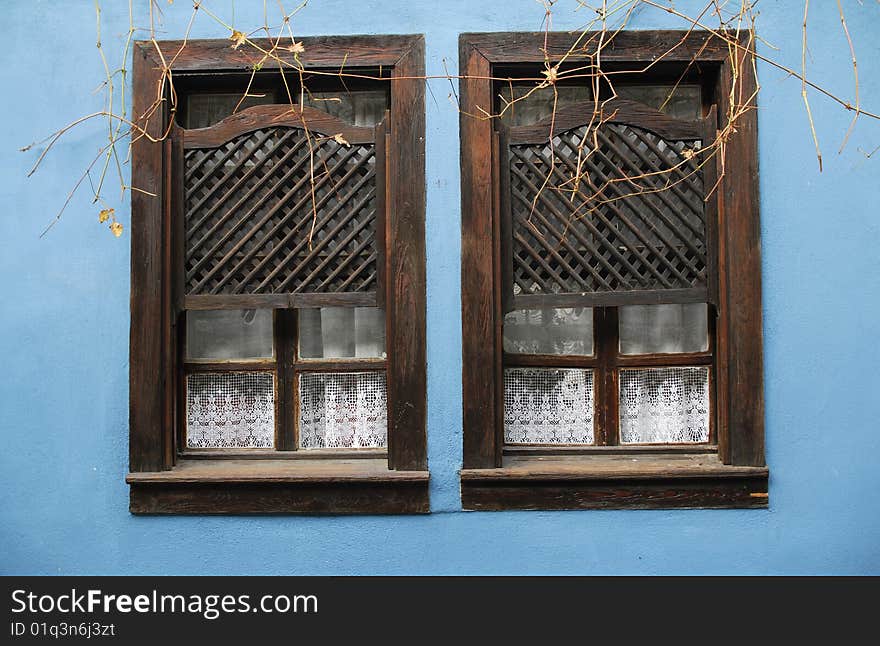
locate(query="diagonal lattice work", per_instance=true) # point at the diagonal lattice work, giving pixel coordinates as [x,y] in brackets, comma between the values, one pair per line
[611,210]
[252,202]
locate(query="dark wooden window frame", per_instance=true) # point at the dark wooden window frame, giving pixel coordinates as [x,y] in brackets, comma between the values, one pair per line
[731,473]
[161,481]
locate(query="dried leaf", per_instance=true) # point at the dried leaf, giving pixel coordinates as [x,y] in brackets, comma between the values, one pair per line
[551,73]
[296,48]
[116,228]
[339,139]
[237,39]
[105,214]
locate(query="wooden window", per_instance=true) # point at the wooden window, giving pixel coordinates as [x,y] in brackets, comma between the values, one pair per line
[611,298]
[278,296]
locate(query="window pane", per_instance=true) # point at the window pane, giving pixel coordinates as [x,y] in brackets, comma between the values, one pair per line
[342,410]
[682,102]
[533,105]
[228,334]
[664,405]
[203,110]
[364,108]
[227,410]
[548,406]
[339,332]
[671,328]
[565,330]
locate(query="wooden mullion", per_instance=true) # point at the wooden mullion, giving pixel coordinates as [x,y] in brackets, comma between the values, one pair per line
[665,360]
[505,215]
[267,365]
[340,365]
[286,338]
[498,290]
[713,377]
[169,328]
[550,361]
[606,375]
[383,148]
[710,178]
[279,301]
[180,374]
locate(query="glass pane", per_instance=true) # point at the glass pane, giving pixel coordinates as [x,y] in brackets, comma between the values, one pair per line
[671,328]
[203,110]
[537,105]
[342,410]
[364,108]
[682,102]
[228,334]
[565,330]
[339,332]
[548,406]
[226,410]
[664,405]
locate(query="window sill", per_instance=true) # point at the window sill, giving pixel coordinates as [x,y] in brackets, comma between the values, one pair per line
[321,486]
[614,482]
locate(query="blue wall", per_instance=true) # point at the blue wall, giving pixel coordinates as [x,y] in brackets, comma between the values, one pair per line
[64,340]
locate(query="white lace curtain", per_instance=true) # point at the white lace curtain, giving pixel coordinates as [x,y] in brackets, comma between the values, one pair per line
[548,406]
[342,410]
[664,405]
[230,410]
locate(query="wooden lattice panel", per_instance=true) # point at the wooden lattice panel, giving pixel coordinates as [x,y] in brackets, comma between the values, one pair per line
[280,210]
[608,210]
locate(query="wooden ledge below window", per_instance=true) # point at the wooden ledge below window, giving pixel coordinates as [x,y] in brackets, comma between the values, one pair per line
[321,486]
[614,482]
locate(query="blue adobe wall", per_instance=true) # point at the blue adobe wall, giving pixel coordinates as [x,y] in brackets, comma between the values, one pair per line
[64,340]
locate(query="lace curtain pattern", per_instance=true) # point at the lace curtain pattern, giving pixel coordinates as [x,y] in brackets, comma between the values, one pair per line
[230,410]
[342,410]
[548,406]
[664,405]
